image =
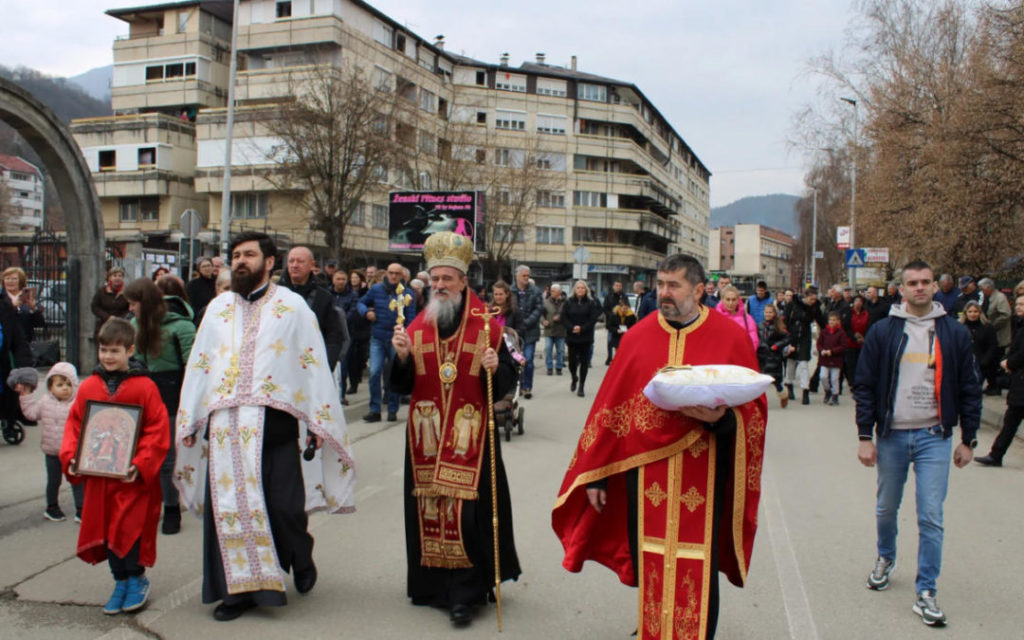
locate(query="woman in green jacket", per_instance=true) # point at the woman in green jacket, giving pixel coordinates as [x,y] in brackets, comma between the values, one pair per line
[163,341]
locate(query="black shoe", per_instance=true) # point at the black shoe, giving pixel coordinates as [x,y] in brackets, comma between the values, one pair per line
[789,388]
[172,520]
[305,580]
[461,615]
[828,397]
[352,388]
[989,461]
[550,372]
[373,416]
[392,416]
[527,394]
[572,387]
[224,612]
[558,372]
[807,397]
[579,391]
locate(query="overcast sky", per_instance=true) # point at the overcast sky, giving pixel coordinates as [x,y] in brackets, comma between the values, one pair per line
[728,74]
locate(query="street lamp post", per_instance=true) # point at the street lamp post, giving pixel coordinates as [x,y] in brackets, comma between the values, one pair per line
[814,237]
[225,203]
[853,187]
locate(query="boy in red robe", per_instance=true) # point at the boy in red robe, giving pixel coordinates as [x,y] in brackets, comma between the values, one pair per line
[119,517]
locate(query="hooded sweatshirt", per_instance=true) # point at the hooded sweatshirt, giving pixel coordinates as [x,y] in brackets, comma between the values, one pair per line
[916,403]
[50,412]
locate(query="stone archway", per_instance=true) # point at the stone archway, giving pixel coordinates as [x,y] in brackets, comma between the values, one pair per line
[52,142]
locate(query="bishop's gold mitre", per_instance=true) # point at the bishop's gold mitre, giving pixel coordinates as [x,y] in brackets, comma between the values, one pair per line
[448,249]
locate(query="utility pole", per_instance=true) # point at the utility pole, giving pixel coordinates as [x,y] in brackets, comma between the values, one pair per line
[225,204]
[814,237]
[853,186]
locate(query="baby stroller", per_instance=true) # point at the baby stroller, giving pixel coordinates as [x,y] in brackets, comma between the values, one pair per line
[14,433]
[508,412]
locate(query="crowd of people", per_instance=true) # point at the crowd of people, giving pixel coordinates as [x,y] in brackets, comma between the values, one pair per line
[914,354]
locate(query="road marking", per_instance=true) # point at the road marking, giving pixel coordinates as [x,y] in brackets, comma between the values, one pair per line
[794,596]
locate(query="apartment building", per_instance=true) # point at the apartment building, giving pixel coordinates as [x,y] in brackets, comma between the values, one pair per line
[617,177]
[753,252]
[23,182]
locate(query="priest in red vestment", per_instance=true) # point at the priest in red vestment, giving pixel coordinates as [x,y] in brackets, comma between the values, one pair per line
[667,499]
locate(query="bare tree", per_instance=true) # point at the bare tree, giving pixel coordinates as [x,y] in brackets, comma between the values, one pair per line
[335,145]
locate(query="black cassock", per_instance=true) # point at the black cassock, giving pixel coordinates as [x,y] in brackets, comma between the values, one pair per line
[448,587]
[285,495]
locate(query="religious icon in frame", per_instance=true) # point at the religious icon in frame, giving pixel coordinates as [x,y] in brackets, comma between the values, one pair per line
[109,437]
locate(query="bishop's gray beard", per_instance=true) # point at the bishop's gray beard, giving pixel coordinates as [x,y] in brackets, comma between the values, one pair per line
[443,312]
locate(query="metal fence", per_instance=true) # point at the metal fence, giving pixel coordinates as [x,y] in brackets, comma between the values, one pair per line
[45,262]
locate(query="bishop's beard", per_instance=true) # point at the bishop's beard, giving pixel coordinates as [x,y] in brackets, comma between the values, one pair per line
[244,281]
[443,311]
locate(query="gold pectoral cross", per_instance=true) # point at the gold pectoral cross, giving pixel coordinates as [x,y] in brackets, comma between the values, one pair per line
[399,303]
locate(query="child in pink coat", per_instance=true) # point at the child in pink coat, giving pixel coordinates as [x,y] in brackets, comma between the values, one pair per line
[50,410]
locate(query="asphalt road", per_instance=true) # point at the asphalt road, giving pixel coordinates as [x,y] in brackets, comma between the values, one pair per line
[814,548]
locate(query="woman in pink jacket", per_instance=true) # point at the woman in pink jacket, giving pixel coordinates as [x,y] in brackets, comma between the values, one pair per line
[731,308]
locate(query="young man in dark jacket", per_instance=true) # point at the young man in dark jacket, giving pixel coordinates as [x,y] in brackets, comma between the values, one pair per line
[916,380]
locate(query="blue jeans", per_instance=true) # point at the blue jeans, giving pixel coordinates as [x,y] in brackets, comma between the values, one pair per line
[930,454]
[554,353]
[382,354]
[529,349]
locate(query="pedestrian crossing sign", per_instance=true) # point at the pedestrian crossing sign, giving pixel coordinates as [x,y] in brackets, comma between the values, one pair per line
[855,257]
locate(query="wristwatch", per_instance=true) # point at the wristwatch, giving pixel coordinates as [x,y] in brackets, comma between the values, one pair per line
[973,443]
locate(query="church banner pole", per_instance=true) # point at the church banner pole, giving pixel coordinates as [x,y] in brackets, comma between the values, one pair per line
[486,315]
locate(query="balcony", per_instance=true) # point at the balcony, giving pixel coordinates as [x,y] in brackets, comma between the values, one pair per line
[291,34]
[151,46]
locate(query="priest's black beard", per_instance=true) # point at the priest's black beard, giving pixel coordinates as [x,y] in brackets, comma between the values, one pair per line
[244,283]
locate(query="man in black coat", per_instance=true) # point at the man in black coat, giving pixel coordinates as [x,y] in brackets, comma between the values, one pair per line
[203,288]
[299,278]
[877,308]
[612,300]
[802,314]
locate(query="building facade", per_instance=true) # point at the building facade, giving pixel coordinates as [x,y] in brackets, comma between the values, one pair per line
[753,252]
[611,173]
[25,189]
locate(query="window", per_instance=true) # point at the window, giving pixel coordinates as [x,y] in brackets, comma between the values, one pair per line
[551,87]
[589,199]
[425,180]
[481,156]
[380,216]
[147,157]
[501,157]
[550,199]
[514,120]
[550,235]
[358,217]
[427,100]
[155,73]
[380,173]
[428,143]
[481,78]
[592,92]
[383,34]
[510,82]
[175,70]
[544,162]
[505,233]
[442,108]
[407,89]
[284,9]
[381,79]
[149,209]
[129,210]
[190,69]
[182,21]
[551,124]
[108,160]
[400,42]
[249,204]
[481,117]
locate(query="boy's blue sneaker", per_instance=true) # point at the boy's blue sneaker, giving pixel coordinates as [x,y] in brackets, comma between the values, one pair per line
[116,603]
[138,593]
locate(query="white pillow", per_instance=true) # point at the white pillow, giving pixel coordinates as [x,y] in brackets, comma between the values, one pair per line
[711,385]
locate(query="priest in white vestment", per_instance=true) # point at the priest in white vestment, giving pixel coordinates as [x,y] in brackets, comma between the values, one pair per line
[257,393]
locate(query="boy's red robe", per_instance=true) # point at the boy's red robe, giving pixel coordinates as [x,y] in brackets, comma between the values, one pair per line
[116,514]
[675,457]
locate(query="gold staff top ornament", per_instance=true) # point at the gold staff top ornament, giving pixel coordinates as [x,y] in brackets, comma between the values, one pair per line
[399,303]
